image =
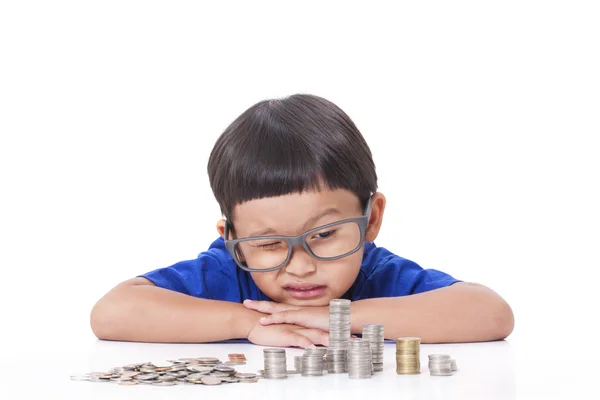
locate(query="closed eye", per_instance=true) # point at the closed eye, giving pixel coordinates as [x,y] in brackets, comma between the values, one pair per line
[324,235]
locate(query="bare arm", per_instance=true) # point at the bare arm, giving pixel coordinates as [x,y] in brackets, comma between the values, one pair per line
[463,312]
[137,310]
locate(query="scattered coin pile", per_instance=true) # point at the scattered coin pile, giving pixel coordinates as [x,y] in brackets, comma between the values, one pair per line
[407,356]
[275,363]
[373,333]
[441,365]
[313,362]
[360,364]
[183,371]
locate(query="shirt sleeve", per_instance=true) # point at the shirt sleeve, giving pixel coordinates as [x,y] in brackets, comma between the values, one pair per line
[202,277]
[390,275]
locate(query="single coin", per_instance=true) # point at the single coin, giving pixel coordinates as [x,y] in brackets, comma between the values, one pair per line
[163,383]
[245,375]
[128,383]
[211,380]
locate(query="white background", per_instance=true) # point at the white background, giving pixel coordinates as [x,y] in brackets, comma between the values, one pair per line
[483,119]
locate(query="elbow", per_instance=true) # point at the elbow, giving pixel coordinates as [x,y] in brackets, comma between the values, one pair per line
[503,321]
[102,321]
[99,322]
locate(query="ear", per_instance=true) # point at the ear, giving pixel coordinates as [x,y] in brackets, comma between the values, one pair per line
[221,228]
[376,218]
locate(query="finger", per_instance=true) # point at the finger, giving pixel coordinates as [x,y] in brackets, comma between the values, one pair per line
[267,307]
[316,336]
[283,317]
[299,340]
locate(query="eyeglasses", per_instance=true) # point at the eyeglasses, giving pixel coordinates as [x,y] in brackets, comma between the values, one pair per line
[327,242]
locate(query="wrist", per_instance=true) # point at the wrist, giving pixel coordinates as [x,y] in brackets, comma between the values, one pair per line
[243,320]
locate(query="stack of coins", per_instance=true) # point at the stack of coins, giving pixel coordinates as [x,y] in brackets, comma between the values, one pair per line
[298,363]
[336,361]
[453,365]
[236,359]
[360,364]
[374,334]
[408,356]
[275,363]
[339,323]
[312,362]
[440,365]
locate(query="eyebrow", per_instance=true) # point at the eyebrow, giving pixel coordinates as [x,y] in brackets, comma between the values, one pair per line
[312,220]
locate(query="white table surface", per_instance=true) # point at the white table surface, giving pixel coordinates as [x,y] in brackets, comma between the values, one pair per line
[493,370]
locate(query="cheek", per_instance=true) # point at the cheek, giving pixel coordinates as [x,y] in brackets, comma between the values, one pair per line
[266,281]
[343,274]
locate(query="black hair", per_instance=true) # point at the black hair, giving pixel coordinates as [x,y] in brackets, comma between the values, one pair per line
[289,145]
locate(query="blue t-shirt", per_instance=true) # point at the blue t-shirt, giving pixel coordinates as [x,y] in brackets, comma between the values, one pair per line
[215,275]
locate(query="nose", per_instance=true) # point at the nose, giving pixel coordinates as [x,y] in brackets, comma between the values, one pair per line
[301,263]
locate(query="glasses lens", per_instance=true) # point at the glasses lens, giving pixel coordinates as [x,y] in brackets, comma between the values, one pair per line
[262,254]
[335,241]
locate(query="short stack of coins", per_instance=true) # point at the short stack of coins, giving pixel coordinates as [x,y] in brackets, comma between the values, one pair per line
[374,334]
[312,362]
[336,361]
[440,365]
[339,323]
[275,363]
[236,359]
[453,365]
[408,356]
[360,364]
[298,363]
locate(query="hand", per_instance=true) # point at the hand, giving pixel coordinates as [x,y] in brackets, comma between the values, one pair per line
[287,335]
[308,317]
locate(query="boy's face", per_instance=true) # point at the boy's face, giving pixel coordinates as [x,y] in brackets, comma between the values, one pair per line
[305,281]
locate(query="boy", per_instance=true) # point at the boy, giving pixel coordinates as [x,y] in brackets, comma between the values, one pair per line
[296,183]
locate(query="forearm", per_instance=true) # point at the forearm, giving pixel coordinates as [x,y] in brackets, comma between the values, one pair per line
[146,313]
[462,312]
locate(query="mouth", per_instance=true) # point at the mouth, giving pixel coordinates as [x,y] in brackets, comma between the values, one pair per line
[305,291]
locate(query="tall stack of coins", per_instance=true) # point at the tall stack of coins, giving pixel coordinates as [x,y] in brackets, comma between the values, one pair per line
[336,361]
[440,365]
[275,363]
[312,362]
[360,364]
[407,356]
[339,323]
[374,334]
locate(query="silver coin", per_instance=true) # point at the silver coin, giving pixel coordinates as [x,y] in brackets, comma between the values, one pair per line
[211,380]
[245,375]
[163,383]
[145,377]
[128,383]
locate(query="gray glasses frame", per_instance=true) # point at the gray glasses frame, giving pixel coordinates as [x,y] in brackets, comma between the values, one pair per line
[300,240]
